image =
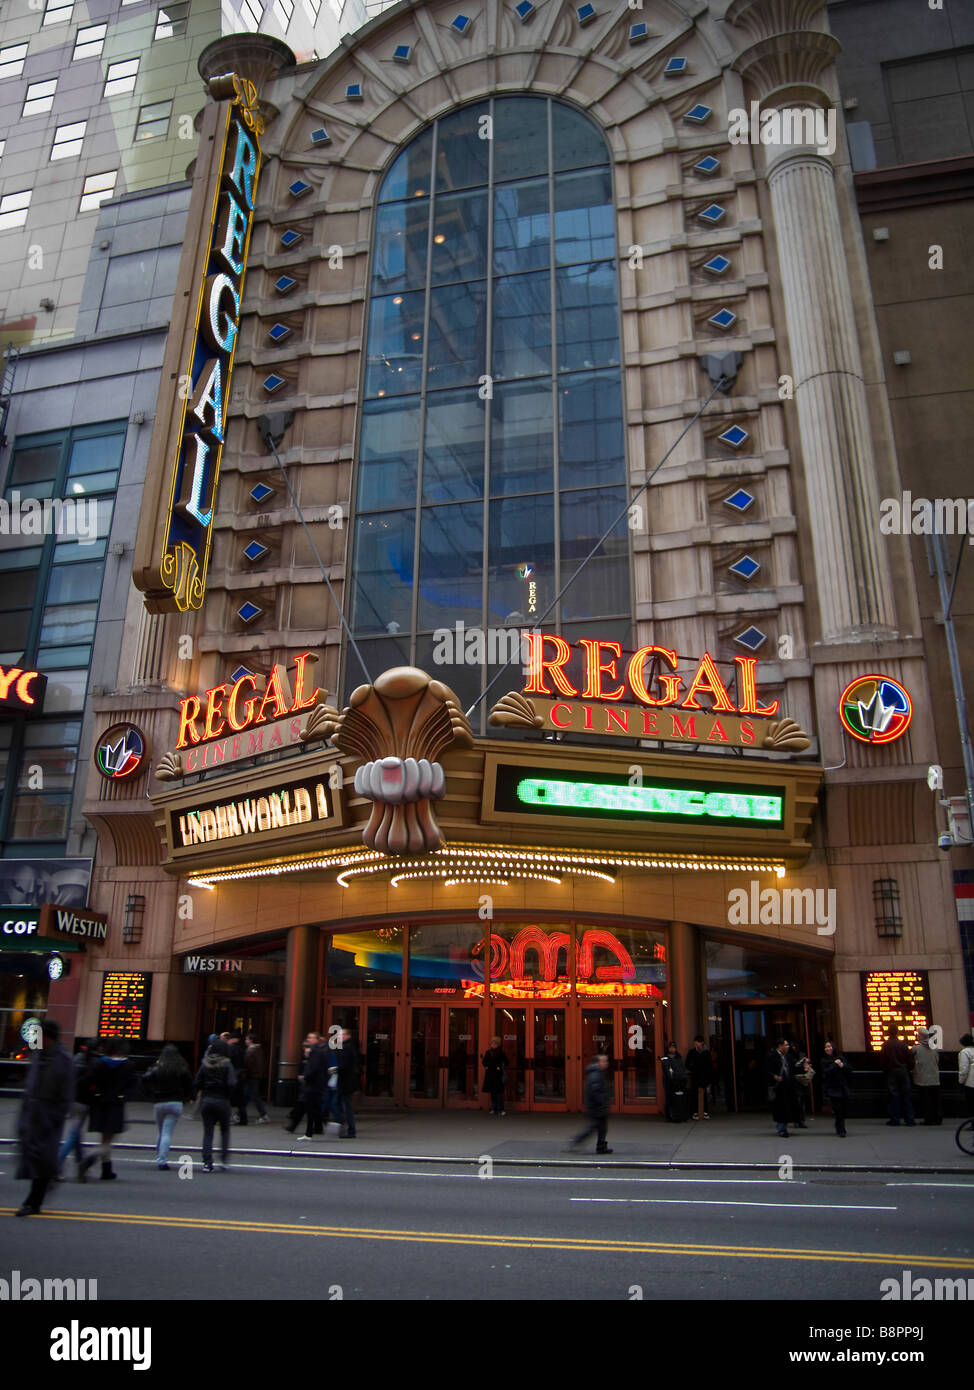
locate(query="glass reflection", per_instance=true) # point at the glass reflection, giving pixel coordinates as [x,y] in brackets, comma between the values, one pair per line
[520,137]
[603,586]
[382,585]
[450,565]
[453,459]
[584,218]
[409,176]
[395,353]
[575,139]
[522,325]
[401,235]
[388,450]
[521,447]
[458,315]
[521,559]
[522,226]
[588,323]
[463,149]
[459,238]
[591,428]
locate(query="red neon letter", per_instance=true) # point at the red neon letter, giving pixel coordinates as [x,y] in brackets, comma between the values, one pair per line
[708,679]
[233,720]
[275,694]
[214,712]
[22,685]
[300,703]
[747,686]
[7,679]
[636,677]
[594,668]
[537,664]
[189,712]
[554,721]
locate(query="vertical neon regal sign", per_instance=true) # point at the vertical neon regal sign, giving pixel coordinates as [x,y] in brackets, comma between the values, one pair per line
[173,549]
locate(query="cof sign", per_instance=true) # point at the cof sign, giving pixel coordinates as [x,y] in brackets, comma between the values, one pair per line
[18,924]
[173,547]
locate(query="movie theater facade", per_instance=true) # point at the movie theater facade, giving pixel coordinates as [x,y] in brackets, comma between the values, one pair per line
[474,276]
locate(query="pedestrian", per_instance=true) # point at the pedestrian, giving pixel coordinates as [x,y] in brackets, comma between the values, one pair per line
[495,1076]
[349,1066]
[802,1074]
[965,1070]
[675,1081]
[895,1060]
[312,1083]
[238,1100]
[597,1101]
[255,1073]
[700,1065]
[84,1059]
[926,1077]
[781,1086]
[215,1083]
[48,1093]
[836,1084]
[170,1083]
[109,1083]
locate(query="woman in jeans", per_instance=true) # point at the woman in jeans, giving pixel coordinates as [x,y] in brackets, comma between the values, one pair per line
[215,1082]
[170,1082]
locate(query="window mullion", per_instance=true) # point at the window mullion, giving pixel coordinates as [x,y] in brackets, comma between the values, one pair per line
[488,407]
[556,493]
[424,367]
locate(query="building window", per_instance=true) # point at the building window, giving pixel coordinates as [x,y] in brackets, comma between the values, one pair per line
[283,12]
[97,187]
[12,60]
[52,587]
[68,140]
[58,11]
[171,22]
[89,42]
[40,97]
[13,209]
[121,77]
[153,121]
[493,262]
[251,14]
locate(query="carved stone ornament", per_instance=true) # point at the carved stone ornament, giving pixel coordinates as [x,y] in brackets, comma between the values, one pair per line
[321,722]
[169,767]
[515,710]
[786,735]
[399,726]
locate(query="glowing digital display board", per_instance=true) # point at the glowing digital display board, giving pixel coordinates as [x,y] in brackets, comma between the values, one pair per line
[894,996]
[124,1009]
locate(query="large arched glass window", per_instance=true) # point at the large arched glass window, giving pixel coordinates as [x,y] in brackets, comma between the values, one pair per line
[491,444]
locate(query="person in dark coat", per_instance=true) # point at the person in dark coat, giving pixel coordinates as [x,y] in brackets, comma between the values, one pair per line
[84,1060]
[48,1093]
[598,1101]
[836,1084]
[215,1083]
[312,1083]
[255,1070]
[109,1083]
[349,1066]
[781,1086]
[894,1058]
[700,1065]
[238,1052]
[495,1066]
[676,1080]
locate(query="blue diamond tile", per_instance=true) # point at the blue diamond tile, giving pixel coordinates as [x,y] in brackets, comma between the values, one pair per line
[745,567]
[712,214]
[723,318]
[401,53]
[290,237]
[298,188]
[239,672]
[320,136]
[638,33]
[586,13]
[353,92]
[717,265]
[524,10]
[248,611]
[278,332]
[739,500]
[461,24]
[733,437]
[699,113]
[284,283]
[675,66]
[752,638]
[708,165]
[255,550]
[272,383]
[260,492]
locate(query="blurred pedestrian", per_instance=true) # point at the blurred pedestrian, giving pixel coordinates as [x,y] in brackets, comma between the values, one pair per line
[700,1065]
[215,1083]
[349,1067]
[836,1085]
[238,1051]
[965,1070]
[312,1082]
[926,1077]
[895,1059]
[781,1086]
[84,1059]
[48,1093]
[803,1073]
[495,1076]
[109,1083]
[255,1074]
[597,1101]
[676,1079]
[170,1083]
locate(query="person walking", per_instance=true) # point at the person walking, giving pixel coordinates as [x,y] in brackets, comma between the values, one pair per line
[802,1074]
[255,1073]
[965,1071]
[84,1059]
[700,1065]
[836,1085]
[312,1082]
[348,1082]
[597,1102]
[676,1078]
[926,1077]
[48,1093]
[238,1101]
[215,1083]
[895,1059]
[170,1083]
[109,1084]
[495,1076]
[781,1086]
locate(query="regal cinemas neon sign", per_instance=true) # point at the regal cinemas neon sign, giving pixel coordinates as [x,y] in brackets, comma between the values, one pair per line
[172,555]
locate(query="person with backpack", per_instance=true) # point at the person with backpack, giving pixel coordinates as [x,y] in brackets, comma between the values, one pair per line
[926,1076]
[965,1071]
[109,1083]
[169,1082]
[676,1080]
[895,1060]
[215,1083]
[836,1084]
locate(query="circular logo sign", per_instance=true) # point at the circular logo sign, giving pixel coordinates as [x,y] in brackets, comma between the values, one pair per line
[121,751]
[525,571]
[30,1031]
[55,968]
[875,709]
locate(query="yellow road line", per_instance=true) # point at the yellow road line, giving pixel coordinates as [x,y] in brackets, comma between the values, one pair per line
[577,1244]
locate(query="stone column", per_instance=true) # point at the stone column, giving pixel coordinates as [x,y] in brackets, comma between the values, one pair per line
[683,987]
[300,1011]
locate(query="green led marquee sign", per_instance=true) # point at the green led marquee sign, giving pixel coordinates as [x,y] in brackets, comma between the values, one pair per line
[650,801]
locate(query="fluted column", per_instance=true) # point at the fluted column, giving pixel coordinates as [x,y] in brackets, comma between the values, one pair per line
[683,986]
[853,575]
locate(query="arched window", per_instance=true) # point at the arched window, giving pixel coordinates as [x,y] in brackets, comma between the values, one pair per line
[491,442]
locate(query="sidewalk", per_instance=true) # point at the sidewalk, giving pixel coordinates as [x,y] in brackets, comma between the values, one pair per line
[725,1142]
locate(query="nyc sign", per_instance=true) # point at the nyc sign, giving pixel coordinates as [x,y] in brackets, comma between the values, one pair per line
[175,534]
